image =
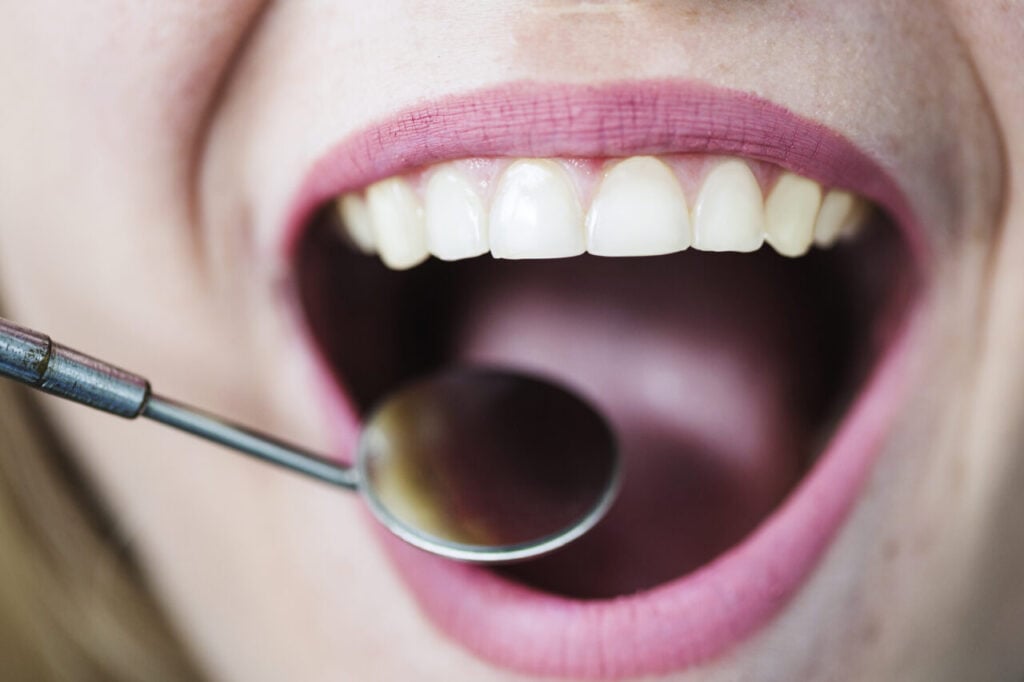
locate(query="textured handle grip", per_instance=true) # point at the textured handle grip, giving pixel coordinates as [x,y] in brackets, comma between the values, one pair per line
[32,358]
[23,353]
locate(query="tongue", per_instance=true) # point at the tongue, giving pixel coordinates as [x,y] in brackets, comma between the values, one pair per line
[693,361]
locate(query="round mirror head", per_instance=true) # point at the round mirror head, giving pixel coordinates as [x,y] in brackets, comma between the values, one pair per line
[487,465]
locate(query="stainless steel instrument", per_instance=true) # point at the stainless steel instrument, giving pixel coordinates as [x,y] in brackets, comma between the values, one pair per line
[478,465]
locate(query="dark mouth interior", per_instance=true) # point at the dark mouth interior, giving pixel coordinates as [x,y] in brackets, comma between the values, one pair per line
[723,374]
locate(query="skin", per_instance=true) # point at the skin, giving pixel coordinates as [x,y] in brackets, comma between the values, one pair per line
[151,150]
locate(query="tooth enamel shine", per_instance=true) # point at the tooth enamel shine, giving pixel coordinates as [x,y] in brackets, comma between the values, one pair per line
[559,208]
[397,218]
[729,213]
[639,210]
[536,213]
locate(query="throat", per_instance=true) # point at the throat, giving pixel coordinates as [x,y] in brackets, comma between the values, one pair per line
[722,375]
[696,364]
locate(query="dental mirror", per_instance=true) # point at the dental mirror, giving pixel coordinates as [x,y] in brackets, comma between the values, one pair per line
[473,464]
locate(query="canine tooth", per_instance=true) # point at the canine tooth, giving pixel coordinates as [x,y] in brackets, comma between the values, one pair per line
[397,218]
[536,213]
[838,209]
[356,223]
[456,223]
[639,210]
[790,212]
[729,213]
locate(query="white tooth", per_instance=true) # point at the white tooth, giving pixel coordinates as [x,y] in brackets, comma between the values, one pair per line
[397,223]
[455,220]
[356,223]
[838,210]
[729,213]
[536,213]
[639,210]
[790,212]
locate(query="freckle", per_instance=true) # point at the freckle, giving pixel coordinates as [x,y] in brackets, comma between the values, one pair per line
[890,549]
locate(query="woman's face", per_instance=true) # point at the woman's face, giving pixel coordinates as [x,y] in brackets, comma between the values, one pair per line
[823,453]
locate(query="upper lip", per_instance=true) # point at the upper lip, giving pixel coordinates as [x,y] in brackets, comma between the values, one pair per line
[698,616]
[608,120]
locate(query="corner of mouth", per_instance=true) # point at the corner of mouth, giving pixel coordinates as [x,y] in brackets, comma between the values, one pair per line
[704,613]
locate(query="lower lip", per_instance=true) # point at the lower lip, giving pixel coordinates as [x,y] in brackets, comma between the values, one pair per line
[702,615]
[682,623]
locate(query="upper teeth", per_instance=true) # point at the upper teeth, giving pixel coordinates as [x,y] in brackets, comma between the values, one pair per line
[729,215]
[639,210]
[533,209]
[536,213]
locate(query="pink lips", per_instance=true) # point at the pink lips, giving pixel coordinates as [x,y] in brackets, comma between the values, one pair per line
[698,616]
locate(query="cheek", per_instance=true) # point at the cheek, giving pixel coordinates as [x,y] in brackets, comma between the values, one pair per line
[995,469]
[102,118]
[128,80]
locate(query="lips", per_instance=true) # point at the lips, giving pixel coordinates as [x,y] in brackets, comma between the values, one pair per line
[590,615]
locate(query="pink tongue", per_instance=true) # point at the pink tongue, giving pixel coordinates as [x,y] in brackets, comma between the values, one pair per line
[696,367]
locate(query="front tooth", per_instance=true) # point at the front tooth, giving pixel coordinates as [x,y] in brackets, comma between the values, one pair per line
[397,223]
[639,210]
[790,212]
[536,213]
[840,211]
[729,214]
[356,222]
[455,220]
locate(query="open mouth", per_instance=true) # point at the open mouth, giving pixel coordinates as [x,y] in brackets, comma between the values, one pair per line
[732,314]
